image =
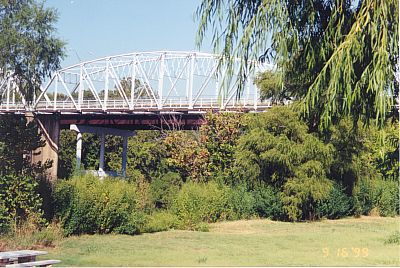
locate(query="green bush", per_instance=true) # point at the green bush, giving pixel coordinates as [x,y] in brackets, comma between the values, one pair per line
[165,188]
[160,221]
[363,197]
[20,199]
[133,225]
[338,204]
[377,193]
[386,197]
[202,227]
[240,203]
[5,221]
[301,194]
[90,205]
[267,202]
[199,202]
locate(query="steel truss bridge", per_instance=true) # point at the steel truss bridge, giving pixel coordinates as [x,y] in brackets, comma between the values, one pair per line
[137,83]
[117,94]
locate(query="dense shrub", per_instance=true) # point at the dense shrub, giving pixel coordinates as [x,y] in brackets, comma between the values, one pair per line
[337,205]
[165,188]
[301,194]
[5,221]
[198,202]
[363,197]
[134,224]
[89,205]
[240,203]
[19,199]
[386,197]
[267,202]
[160,221]
[377,193]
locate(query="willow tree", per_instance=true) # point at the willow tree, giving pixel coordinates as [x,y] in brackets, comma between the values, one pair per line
[337,56]
[29,51]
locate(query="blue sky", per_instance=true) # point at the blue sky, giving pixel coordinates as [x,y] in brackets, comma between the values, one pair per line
[97,28]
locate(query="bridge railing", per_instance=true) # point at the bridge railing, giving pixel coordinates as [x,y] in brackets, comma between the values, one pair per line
[148,104]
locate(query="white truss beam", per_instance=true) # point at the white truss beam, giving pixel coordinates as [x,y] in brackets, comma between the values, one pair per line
[163,81]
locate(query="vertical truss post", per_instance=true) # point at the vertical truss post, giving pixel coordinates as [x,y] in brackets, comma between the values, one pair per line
[55,95]
[78,150]
[255,97]
[106,85]
[124,155]
[8,94]
[246,99]
[102,150]
[216,86]
[13,97]
[222,103]
[161,81]
[80,89]
[190,84]
[133,82]
[34,97]
[187,77]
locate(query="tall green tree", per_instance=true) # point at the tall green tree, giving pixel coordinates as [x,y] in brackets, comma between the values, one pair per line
[338,56]
[29,51]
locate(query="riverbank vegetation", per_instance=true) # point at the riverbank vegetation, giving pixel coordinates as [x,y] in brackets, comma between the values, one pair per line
[236,166]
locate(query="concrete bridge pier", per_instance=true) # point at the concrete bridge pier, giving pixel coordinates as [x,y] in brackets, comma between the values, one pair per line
[101,132]
[49,126]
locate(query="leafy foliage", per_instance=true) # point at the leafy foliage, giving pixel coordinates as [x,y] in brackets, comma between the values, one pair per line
[18,139]
[165,188]
[275,145]
[20,199]
[197,202]
[19,177]
[66,154]
[219,136]
[270,88]
[301,194]
[187,156]
[240,203]
[267,202]
[160,221]
[338,56]
[89,205]
[29,52]
[337,205]
[238,166]
[377,193]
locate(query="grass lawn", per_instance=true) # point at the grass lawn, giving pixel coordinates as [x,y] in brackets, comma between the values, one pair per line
[356,242]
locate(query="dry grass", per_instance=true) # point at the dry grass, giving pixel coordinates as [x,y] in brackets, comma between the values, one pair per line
[29,236]
[243,243]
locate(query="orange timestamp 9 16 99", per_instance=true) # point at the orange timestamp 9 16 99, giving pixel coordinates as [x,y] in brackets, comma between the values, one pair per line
[345,252]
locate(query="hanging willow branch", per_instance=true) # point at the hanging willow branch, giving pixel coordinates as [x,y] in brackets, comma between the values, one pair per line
[338,57]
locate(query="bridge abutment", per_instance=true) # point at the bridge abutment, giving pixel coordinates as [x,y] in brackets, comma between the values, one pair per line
[49,126]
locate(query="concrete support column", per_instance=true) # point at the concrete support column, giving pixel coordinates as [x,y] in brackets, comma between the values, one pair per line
[102,132]
[102,150]
[78,150]
[49,126]
[124,154]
